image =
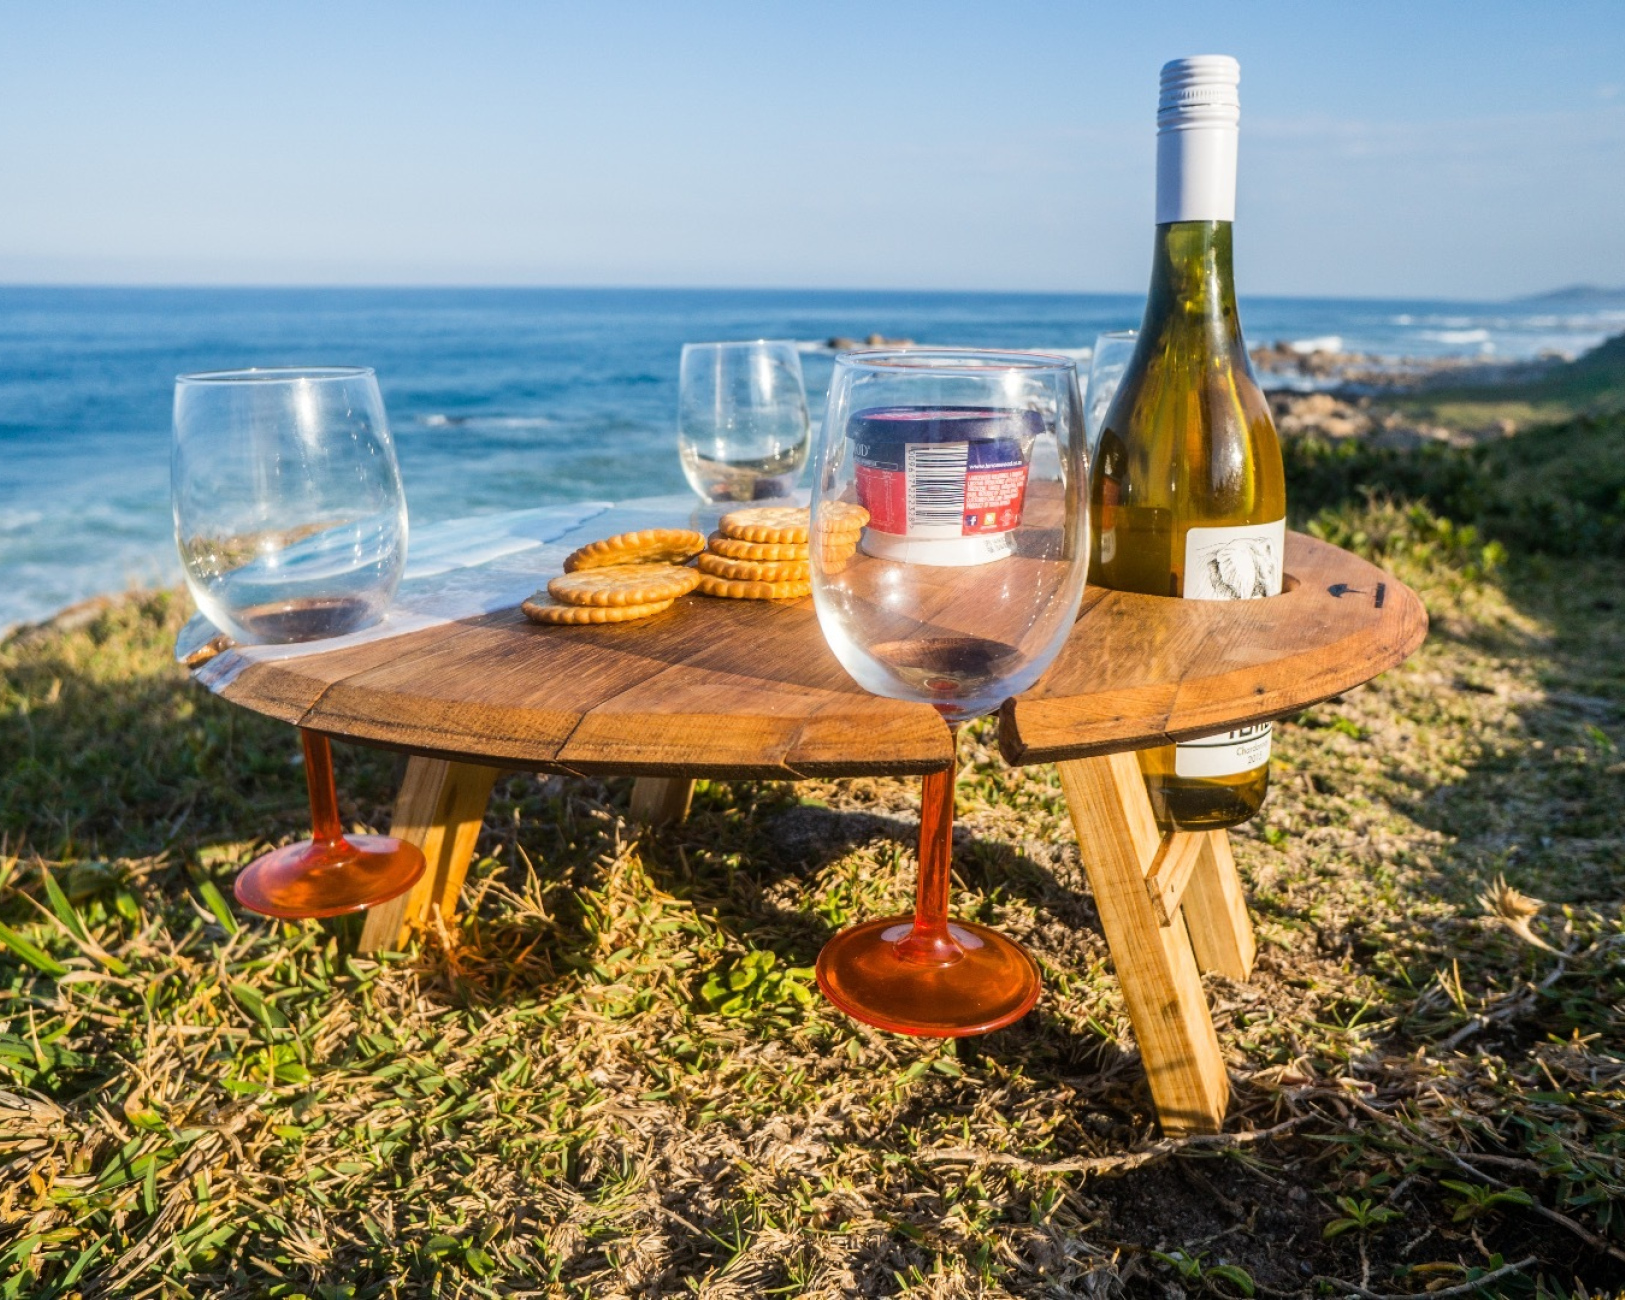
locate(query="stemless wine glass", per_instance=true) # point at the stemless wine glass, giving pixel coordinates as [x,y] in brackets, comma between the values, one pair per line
[291,525]
[742,428]
[1106,366]
[963,589]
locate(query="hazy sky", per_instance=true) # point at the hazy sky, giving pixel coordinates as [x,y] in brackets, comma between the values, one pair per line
[1418,148]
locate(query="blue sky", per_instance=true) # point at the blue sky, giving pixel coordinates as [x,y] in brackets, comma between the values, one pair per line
[1424,148]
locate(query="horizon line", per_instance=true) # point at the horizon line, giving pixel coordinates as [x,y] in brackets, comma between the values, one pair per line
[444,287]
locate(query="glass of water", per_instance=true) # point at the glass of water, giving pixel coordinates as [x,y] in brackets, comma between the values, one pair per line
[291,525]
[289,513]
[742,427]
[1111,357]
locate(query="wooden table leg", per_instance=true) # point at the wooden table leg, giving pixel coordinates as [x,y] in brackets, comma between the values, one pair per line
[661,800]
[440,807]
[1216,912]
[1118,837]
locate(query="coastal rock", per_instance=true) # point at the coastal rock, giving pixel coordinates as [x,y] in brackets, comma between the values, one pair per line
[1322,413]
[840,343]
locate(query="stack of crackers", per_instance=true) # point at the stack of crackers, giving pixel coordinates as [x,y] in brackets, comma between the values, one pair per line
[763,553]
[760,553]
[620,579]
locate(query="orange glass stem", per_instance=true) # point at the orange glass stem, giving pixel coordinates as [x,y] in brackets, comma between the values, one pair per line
[331,873]
[929,942]
[324,791]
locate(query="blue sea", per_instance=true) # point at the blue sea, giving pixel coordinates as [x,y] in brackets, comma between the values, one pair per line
[508,398]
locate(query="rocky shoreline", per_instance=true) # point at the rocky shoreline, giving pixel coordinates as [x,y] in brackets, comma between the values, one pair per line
[1337,395]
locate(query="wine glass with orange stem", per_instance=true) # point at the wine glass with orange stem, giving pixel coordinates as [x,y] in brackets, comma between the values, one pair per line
[290,519]
[967,579]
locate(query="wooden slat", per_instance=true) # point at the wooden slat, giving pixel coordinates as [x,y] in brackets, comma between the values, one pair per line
[721,688]
[1170,870]
[1118,838]
[710,688]
[1145,670]
[1216,912]
[439,808]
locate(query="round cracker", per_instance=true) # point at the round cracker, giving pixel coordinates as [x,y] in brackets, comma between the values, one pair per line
[734,549]
[841,517]
[728,588]
[622,584]
[542,608]
[767,524]
[720,566]
[650,546]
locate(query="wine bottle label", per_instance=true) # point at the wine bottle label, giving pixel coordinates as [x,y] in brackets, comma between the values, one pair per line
[1241,563]
[1231,754]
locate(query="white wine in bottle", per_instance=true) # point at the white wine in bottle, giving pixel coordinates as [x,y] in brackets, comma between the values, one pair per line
[1188,494]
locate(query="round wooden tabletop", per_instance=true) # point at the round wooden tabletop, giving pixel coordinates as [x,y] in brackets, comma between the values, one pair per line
[723,688]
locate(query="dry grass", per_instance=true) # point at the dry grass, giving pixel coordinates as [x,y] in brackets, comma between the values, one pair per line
[559,1097]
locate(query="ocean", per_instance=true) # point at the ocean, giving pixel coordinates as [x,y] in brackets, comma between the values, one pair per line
[507,398]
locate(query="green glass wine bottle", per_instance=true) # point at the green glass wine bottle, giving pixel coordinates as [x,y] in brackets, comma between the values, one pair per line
[1187,491]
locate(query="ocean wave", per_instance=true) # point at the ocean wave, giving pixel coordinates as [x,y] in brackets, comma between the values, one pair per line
[439,421]
[1457,336]
[1324,343]
[14,521]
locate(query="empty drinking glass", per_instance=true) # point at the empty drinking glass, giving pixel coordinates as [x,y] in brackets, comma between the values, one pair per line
[1111,357]
[291,525]
[964,587]
[742,427]
[289,513]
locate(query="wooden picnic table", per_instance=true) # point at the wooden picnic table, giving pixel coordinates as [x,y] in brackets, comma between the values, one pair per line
[725,689]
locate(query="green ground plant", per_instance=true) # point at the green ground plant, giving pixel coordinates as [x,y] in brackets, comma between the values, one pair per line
[610,1076]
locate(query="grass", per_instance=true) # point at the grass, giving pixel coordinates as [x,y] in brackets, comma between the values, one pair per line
[612,1076]
[1593,384]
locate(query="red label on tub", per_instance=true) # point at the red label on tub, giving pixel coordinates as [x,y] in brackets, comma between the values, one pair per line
[993,500]
[884,494]
[942,490]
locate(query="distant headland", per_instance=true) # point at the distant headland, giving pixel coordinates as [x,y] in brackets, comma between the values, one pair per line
[1575,295]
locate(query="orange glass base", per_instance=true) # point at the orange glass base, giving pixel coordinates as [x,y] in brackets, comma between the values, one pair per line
[315,878]
[331,873]
[870,974]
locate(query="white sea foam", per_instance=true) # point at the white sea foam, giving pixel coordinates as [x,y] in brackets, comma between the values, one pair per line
[438,421]
[1324,343]
[14,521]
[1457,336]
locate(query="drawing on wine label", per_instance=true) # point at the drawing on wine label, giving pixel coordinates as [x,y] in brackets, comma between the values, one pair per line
[1244,568]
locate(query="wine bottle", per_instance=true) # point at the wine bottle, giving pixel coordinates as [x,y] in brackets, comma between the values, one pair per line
[1188,493]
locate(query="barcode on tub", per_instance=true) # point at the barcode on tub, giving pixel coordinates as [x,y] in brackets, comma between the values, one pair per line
[936,483]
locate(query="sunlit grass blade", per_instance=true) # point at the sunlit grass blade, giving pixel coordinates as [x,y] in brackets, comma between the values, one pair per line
[38,958]
[62,907]
[215,901]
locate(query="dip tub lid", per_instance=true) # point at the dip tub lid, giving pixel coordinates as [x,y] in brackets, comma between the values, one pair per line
[883,425]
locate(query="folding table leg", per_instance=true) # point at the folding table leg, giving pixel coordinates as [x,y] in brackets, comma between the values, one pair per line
[1216,912]
[1118,837]
[439,808]
[661,800]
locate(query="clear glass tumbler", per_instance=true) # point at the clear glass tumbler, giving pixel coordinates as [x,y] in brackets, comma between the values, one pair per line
[289,512]
[742,427]
[291,525]
[965,584]
[1106,366]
